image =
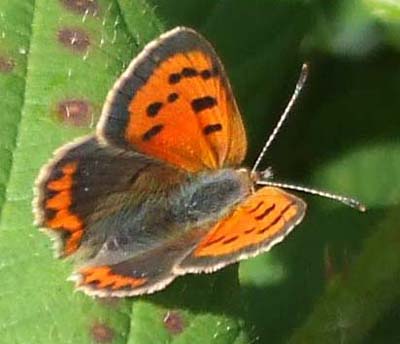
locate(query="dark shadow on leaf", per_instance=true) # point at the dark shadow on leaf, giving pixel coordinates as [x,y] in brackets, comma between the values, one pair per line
[322,248]
[217,293]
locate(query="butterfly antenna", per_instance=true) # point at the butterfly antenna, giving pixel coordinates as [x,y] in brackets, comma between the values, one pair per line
[297,90]
[351,202]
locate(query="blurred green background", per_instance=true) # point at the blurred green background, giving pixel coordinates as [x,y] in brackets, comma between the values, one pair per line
[334,280]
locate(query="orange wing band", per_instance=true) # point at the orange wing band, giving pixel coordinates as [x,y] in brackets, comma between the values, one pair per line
[102,277]
[63,219]
[266,215]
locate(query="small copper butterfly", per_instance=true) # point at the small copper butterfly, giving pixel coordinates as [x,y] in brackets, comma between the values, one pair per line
[158,191]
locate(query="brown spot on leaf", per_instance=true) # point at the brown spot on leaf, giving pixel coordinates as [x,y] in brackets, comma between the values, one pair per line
[101,333]
[88,7]
[75,112]
[74,39]
[6,64]
[174,322]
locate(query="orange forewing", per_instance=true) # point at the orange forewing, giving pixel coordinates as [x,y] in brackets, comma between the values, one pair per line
[267,215]
[191,121]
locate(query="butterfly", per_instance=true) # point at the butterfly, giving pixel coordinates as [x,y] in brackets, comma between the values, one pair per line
[158,191]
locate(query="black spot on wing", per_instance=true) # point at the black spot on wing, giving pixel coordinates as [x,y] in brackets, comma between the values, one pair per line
[153,109]
[188,72]
[265,212]
[212,128]
[153,131]
[209,73]
[174,78]
[205,74]
[172,97]
[215,241]
[228,241]
[256,207]
[276,220]
[250,230]
[203,103]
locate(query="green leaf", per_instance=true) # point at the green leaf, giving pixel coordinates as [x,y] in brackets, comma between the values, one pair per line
[15,30]
[59,55]
[386,10]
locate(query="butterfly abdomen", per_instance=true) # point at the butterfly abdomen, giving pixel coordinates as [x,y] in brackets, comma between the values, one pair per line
[210,196]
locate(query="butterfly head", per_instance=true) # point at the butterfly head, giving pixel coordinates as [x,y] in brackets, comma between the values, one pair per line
[266,174]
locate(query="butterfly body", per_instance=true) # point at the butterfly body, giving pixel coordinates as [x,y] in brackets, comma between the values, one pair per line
[196,203]
[158,191]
